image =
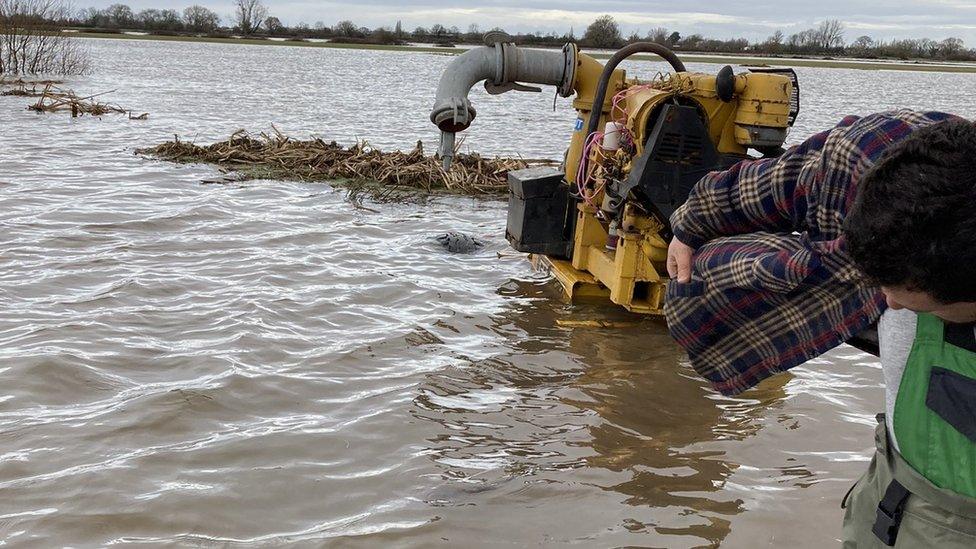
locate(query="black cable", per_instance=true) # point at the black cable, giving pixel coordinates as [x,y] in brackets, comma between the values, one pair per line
[616,59]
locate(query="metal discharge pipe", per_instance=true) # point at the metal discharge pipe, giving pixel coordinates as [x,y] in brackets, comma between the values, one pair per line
[502,66]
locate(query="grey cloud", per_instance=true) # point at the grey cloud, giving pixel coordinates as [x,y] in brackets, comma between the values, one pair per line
[722,19]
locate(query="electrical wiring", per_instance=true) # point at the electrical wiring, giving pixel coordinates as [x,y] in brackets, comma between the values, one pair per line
[583,174]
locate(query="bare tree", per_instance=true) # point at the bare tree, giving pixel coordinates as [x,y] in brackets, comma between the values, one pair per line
[32,42]
[772,44]
[830,34]
[658,35]
[861,45]
[93,17]
[155,20]
[119,16]
[346,28]
[200,19]
[384,35]
[149,19]
[805,40]
[249,15]
[170,20]
[951,47]
[928,47]
[692,42]
[604,32]
[273,25]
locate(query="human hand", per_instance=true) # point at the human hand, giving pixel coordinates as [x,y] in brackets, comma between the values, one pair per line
[679,260]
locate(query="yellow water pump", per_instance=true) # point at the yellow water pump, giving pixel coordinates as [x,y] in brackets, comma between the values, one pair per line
[600,223]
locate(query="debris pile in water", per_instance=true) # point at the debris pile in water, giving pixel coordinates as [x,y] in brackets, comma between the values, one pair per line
[20,81]
[25,88]
[52,98]
[279,157]
[20,92]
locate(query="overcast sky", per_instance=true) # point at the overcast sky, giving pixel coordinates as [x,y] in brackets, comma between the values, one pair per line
[752,19]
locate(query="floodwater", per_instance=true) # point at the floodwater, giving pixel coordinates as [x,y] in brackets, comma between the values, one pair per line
[269,364]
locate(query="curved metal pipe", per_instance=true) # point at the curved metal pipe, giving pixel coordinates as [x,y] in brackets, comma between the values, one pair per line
[501,65]
[616,59]
[452,111]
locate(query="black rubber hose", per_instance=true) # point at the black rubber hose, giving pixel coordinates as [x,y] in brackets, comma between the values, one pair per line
[624,53]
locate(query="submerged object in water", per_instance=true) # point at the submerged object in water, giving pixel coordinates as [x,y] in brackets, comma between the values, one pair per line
[459,243]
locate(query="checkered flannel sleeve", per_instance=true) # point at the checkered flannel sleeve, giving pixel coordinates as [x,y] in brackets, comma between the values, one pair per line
[772,283]
[773,195]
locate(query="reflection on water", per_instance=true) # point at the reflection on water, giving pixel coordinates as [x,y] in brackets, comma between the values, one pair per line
[612,401]
[264,364]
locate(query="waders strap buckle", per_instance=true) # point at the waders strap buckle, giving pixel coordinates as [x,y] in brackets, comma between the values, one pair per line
[890,513]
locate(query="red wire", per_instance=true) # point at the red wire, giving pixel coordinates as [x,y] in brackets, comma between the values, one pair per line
[582,174]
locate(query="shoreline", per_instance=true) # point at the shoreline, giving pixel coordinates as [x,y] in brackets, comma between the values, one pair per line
[719,59]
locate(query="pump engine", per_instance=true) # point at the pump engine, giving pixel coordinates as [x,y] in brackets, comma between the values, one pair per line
[600,223]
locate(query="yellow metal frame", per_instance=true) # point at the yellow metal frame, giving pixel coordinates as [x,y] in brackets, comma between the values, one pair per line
[632,274]
[627,275]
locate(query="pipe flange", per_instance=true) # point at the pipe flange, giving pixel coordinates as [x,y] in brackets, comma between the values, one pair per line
[571,52]
[453,116]
[509,62]
[499,78]
[497,37]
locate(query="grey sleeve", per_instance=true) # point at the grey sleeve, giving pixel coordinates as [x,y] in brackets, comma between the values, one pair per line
[896,335]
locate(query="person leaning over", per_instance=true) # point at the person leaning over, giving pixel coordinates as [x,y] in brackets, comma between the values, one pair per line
[776,261]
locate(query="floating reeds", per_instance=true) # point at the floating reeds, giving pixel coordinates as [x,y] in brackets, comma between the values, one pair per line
[20,81]
[20,92]
[279,157]
[52,98]
[25,88]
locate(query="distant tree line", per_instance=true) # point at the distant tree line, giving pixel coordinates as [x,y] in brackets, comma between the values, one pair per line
[196,19]
[252,18]
[825,39]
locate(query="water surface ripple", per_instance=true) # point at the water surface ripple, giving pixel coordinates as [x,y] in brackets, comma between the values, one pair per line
[269,364]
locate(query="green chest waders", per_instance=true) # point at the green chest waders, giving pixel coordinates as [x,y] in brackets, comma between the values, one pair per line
[935,412]
[924,495]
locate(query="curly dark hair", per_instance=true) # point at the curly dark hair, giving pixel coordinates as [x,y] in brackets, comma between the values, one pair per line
[913,223]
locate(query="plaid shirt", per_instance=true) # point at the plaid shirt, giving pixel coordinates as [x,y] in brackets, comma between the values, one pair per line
[772,284]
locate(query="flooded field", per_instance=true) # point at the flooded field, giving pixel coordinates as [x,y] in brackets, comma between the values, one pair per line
[268,364]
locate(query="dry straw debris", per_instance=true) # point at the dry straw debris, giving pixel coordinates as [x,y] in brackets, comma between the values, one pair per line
[21,81]
[279,157]
[19,86]
[52,98]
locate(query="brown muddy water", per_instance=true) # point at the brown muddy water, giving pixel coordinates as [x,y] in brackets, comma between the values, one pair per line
[266,364]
